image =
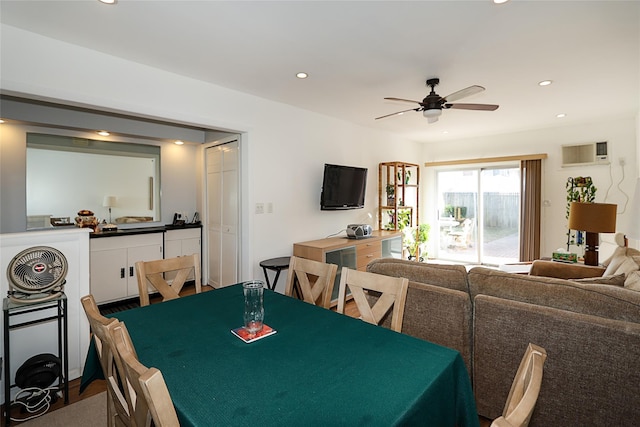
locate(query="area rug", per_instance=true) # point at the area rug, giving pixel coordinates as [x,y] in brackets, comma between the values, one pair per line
[91,412]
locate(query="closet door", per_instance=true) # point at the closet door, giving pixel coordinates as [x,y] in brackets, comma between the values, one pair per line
[222,214]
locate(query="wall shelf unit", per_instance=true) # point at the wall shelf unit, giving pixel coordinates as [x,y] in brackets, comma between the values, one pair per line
[398,195]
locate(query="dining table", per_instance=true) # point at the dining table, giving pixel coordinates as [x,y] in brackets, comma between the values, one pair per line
[319,368]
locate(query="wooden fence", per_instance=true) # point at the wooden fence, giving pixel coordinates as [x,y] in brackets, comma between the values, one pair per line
[501,210]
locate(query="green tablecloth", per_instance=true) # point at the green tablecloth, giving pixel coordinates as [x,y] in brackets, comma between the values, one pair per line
[320,368]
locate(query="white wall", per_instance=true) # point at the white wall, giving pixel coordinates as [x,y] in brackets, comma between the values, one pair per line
[283,152]
[621,134]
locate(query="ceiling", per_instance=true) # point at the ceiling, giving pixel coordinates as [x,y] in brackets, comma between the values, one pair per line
[358,52]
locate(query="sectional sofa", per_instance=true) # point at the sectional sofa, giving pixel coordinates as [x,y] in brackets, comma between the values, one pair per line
[591,333]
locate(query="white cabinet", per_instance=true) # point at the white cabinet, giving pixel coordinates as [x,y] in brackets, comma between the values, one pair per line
[181,242]
[185,241]
[113,261]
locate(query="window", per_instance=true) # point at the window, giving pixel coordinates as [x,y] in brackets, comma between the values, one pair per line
[479,214]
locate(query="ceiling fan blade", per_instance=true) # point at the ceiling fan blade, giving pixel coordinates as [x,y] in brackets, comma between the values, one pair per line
[398,113]
[404,100]
[479,107]
[471,90]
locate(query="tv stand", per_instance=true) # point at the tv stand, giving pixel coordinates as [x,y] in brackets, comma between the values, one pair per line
[351,253]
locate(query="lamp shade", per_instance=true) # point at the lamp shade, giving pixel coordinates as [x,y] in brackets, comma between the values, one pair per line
[109,201]
[593,217]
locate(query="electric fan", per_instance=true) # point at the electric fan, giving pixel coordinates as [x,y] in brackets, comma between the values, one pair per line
[36,274]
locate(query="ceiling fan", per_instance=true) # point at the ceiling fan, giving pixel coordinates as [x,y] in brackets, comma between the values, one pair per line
[433,104]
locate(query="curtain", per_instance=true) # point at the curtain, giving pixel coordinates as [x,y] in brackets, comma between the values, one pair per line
[530,204]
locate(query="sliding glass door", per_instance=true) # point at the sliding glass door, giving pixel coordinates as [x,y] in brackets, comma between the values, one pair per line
[478,215]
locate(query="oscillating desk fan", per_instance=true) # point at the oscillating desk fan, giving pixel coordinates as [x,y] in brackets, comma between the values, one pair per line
[37,274]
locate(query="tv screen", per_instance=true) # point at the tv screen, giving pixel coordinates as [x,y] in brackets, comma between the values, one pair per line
[343,187]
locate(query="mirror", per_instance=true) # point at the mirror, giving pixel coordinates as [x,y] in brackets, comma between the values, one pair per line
[68,174]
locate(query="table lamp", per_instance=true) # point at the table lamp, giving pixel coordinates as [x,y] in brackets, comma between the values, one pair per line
[109,202]
[593,218]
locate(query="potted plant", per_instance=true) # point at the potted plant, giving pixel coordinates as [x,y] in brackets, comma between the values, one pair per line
[579,189]
[448,211]
[415,241]
[391,195]
[403,218]
[407,176]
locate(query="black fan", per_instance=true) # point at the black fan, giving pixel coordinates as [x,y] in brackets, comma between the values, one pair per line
[37,274]
[433,104]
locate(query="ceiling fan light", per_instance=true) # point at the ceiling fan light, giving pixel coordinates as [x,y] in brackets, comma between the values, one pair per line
[433,113]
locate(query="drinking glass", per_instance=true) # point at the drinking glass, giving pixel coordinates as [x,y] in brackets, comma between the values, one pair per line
[253,305]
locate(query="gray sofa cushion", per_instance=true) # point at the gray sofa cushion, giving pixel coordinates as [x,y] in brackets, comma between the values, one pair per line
[615,280]
[443,275]
[591,374]
[607,301]
[438,306]
[439,315]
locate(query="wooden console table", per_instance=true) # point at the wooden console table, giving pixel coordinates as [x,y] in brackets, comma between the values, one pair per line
[351,253]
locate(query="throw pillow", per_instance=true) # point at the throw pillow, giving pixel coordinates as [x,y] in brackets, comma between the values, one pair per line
[615,261]
[628,266]
[616,280]
[633,281]
[633,278]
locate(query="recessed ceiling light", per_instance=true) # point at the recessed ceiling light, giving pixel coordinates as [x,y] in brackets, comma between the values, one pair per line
[545,83]
[302,75]
[561,115]
[108,1]
[178,142]
[500,1]
[445,132]
[1,121]
[103,133]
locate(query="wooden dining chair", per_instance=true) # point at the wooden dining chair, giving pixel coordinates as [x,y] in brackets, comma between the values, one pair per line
[167,276]
[313,280]
[149,396]
[101,327]
[158,398]
[524,389]
[392,290]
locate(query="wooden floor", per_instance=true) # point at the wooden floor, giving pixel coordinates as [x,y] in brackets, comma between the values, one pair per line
[97,387]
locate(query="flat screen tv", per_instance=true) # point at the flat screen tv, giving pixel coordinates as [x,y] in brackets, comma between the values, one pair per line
[343,187]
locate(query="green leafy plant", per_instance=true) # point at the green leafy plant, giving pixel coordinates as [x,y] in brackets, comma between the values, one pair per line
[415,239]
[391,190]
[403,218]
[407,176]
[391,194]
[579,189]
[448,211]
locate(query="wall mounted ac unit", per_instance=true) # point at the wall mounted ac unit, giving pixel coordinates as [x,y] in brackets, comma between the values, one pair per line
[593,153]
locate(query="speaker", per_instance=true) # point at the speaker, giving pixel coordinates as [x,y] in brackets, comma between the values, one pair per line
[358,231]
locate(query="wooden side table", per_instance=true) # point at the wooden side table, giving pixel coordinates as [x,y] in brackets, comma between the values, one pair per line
[516,267]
